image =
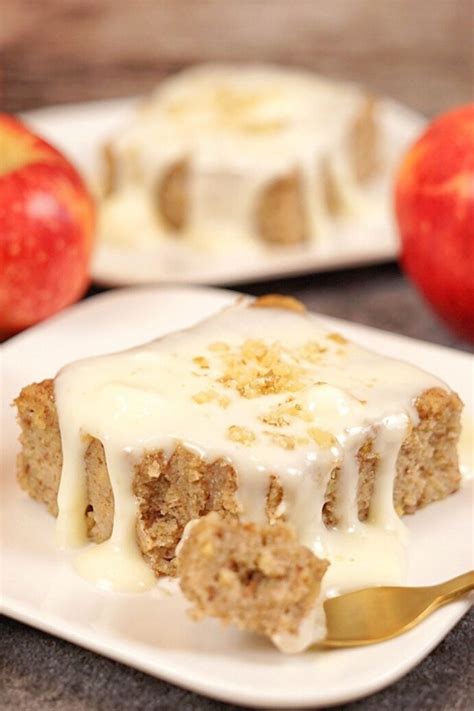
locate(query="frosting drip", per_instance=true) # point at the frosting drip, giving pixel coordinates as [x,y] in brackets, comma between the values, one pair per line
[272,392]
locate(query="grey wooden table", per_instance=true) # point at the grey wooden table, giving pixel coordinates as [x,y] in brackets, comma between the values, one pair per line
[41,673]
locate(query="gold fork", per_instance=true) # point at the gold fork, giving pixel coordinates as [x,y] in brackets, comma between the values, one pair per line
[376,614]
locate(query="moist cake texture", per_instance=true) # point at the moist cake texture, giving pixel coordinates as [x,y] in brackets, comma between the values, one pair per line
[224,153]
[258,578]
[259,414]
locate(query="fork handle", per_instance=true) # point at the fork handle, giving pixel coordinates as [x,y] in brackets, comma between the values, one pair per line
[454,588]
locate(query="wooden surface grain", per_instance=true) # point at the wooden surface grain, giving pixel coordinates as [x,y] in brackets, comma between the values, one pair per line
[55,51]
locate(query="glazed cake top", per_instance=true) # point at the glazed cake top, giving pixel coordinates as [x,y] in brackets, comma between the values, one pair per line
[270,385]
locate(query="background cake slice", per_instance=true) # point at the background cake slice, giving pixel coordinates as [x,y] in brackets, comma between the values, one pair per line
[222,153]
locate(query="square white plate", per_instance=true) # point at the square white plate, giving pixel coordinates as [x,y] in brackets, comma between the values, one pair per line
[151,631]
[80,130]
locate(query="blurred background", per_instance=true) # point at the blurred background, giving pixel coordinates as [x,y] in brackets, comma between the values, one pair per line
[55,51]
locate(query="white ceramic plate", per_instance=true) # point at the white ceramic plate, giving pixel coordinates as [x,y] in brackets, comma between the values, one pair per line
[151,631]
[79,130]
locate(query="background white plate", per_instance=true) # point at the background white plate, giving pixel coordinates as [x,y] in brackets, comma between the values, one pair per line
[79,130]
[150,631]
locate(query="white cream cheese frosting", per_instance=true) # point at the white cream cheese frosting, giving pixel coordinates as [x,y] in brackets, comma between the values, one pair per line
[272,392]
[240,127]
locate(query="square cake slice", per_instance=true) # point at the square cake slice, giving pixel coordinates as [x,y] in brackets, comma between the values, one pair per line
[259,414]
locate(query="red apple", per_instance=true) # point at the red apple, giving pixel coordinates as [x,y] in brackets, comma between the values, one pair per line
[46,228]
[434,201]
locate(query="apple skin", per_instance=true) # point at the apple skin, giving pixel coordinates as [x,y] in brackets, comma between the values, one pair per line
[434,204]
[47,220]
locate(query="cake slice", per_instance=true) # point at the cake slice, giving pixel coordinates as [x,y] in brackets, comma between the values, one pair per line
[297,150]
[260,414]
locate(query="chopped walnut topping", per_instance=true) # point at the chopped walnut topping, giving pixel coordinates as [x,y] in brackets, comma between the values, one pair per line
[312,351]
[282,440]
[274,420]
[211,396]
[337,338]
[289,408]
[258,369]
[324,439]
[205,396]
[219,347]
[201,362]
[253,348]
[296,410]
[286,441]
[241,434]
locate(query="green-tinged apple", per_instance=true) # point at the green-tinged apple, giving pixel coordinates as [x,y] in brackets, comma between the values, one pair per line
[47,221]
[434,200]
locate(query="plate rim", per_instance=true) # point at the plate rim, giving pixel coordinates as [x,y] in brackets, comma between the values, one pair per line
[222,692]
[117,293]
